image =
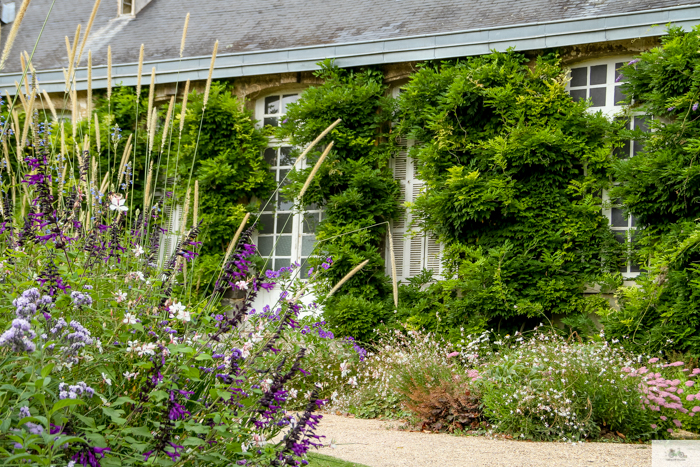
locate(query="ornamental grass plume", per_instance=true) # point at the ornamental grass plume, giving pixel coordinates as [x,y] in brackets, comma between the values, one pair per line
[317,166]
[13,33]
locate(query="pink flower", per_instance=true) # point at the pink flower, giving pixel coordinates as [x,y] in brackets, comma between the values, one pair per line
[642,370]
[452,354]
[677,364]
[653,360]
[675,382]
[695,371]
[677,423]
[689,397]
[653,426]
[663,418]
[670,430]
[690,383]
[696,409]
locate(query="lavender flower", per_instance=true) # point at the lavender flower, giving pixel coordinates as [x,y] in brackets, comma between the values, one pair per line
[80,299]
[695,107]
[66,391]
[24,412]
[19,336]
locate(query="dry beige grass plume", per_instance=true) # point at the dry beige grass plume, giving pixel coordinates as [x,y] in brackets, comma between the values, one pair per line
[13,32]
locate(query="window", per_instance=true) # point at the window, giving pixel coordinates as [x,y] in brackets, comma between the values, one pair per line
[285,235]
[127,7]
[601,82]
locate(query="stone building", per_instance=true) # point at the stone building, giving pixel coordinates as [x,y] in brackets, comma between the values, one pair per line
[270,48]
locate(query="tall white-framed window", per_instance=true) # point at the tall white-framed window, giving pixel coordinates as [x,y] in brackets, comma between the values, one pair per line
[285,235]
[601,82]
[414,249]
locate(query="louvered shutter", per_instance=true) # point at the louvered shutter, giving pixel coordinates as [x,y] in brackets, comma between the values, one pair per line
[171,237]
[414,250]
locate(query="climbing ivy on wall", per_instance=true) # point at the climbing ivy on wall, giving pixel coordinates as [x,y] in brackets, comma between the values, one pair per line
[513,172]
[355,187]
[661,187]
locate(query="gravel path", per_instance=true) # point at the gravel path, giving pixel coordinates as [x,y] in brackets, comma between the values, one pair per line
[379,444]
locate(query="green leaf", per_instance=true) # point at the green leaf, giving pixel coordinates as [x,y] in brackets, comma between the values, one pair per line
[47,370]
[123,400]
[65,403]
[203,356]
[193,441]
[140,431]
[115,415]
[88,421]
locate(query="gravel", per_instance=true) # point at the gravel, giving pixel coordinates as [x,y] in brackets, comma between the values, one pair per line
[379,444]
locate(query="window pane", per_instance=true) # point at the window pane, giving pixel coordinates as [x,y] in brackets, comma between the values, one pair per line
[624,151]
[307,244]
[634,267]
[634,221]
[311,220]
[304,268]
[283,174]
[265,246]
[272,121]
[619,96]
[285,156]
[638,147]
[641,123]
[284,223]
[283,204]
[267,223]
[282,263]
[272,104]
[598,97]
[618,219]
[598,74]
[288,99]
[284,245]
[618,73]
[621,237]
[578,77]
[579,95]
[270,155]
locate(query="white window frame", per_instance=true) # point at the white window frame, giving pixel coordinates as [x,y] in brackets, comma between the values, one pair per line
[612,110]
[302,241]
[414,248]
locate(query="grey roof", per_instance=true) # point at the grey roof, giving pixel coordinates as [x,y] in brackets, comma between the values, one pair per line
[269,36]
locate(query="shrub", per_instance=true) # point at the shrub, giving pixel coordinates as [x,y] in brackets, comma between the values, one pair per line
[350,315]
[549,388]
[439,398]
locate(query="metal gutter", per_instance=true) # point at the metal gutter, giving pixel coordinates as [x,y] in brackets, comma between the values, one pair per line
[530,36]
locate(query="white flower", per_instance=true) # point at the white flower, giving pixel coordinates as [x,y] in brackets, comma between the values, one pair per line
[344,369]
[129,319]
[128,375]
[147,349]
[178,311]
[293,393]
[138,251]
[353,381]
[242,285]
[106,379]
[132,346]
[117,203]
[119,296]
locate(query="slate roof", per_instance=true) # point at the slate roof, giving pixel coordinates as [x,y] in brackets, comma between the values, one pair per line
[259,25]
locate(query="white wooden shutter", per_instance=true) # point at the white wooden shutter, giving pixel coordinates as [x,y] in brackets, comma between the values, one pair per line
[413,251]
[168,241]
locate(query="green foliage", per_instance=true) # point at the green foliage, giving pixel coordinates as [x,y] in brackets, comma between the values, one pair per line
[660,187]
[354,185]
[662,184]
[513,172]
[226,159]
[352,315]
